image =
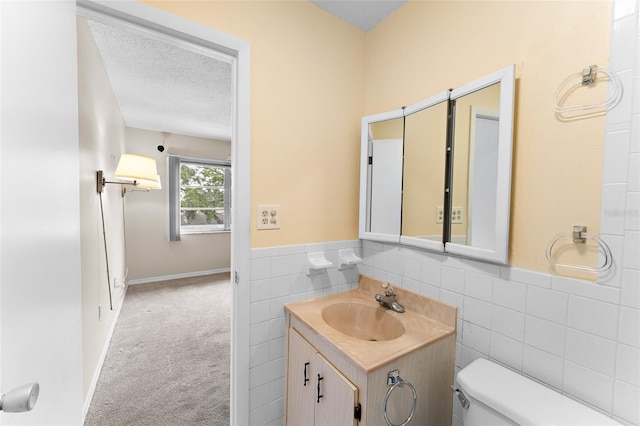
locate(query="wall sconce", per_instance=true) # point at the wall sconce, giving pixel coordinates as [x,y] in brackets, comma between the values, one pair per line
[134,169]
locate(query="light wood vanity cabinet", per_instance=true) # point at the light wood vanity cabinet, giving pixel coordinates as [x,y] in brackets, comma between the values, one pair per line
[317,393]
[353,371]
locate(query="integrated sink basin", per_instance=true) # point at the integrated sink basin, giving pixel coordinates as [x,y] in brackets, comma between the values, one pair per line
[363,321]
[368,334]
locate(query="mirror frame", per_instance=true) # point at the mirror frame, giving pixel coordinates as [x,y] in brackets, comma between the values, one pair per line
[500,254]
[365,178]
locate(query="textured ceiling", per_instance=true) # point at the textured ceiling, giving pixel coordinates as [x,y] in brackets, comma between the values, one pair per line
[166,88]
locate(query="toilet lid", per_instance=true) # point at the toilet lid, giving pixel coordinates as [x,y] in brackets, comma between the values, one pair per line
[522,400]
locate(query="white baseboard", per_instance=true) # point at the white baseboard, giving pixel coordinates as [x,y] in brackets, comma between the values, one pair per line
[103,356]
[177,276]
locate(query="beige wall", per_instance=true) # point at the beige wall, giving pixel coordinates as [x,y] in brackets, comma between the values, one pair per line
[310,71]
[307,97]
[428,46]
[102,139]
[149,252]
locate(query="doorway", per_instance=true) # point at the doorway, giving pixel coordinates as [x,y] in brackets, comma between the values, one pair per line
[483,166]
[151,21]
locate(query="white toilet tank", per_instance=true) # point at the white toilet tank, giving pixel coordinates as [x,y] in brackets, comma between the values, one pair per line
[498,396]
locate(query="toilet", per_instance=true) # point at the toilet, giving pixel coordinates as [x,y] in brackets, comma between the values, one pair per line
[492,395]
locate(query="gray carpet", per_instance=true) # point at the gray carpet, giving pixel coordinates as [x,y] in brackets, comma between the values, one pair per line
[168,361]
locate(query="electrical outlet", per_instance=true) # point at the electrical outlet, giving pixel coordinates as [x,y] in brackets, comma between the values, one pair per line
[456,215]
[268,217]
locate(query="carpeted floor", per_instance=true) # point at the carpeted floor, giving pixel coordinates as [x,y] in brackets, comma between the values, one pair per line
[168,361]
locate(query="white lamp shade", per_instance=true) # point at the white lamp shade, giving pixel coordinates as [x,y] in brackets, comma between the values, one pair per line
[149,184]
[137,167]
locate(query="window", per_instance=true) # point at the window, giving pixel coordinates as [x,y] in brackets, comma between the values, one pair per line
[199,196]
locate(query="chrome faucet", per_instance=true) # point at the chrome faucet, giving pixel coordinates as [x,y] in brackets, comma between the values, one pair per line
[389,299]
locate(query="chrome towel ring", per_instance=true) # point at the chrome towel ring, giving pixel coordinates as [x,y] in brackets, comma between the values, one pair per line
[394,380]
[580,236]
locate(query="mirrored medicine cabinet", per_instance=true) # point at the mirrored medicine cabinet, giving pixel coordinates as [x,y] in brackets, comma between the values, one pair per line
[437,174]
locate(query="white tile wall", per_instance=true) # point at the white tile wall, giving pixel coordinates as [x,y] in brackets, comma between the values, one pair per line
[625,403]
[508,322]
[278,276]
[625,60]
[628,367]
[588,386]
[593,316]
[579,338]
[507,351]
[591,351]
[545,335]
[547,304]
[580,344]
[578,341]
[545,367]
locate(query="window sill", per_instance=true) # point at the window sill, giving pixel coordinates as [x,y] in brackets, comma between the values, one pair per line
[205,232]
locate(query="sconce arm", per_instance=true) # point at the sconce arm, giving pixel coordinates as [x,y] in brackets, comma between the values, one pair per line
[102,181]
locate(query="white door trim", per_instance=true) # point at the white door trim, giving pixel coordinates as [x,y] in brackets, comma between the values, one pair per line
[477,112]
[146,16]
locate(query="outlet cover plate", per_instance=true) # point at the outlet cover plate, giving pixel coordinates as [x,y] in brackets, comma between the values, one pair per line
[456,215]
[268,216]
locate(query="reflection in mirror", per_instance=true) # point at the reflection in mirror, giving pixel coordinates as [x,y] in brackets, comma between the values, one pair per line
[475,165]
[481,167]
[424,173]
[385,176]
[427,196]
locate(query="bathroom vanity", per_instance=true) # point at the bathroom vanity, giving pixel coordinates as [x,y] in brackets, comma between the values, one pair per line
[345,352]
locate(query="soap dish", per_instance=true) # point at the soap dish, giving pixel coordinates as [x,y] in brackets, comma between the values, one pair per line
[317,263]
[348,258]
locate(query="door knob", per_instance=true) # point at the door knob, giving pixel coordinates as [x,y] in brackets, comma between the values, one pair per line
[20,399]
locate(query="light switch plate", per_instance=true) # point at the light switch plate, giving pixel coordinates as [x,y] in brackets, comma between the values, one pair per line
[268,216]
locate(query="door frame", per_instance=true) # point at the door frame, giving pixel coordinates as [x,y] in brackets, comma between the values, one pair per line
[145,16]
[477,112]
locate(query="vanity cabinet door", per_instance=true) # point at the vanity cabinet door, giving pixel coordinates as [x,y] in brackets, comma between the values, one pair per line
[302,360]
[317,393]
[338,397]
